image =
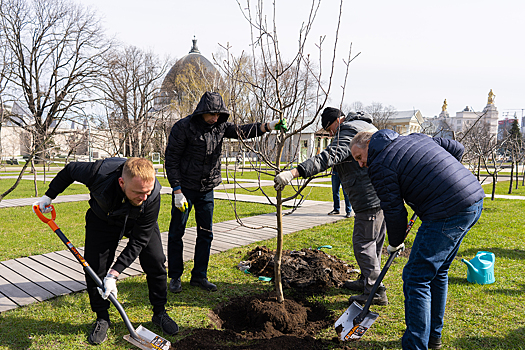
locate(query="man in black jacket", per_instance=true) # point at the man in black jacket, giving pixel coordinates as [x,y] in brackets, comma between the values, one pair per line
[369,226]
[124,201]
[427,174]
[193,166]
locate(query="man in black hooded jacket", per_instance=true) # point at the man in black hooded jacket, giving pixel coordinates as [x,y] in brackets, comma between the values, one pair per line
[124,201]
[369,226]
[193,165]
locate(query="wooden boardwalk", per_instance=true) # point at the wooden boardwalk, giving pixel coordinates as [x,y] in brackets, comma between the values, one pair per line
[36,278]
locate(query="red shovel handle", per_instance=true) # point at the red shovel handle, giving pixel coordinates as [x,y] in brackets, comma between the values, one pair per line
[46,220]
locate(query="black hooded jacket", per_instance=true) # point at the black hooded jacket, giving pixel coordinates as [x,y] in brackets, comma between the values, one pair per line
[193,154]
[108,202]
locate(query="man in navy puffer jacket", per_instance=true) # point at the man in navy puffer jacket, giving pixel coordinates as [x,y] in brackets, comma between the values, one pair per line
[427,174]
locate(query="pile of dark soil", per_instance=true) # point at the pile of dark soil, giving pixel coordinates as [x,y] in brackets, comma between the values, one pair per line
[307,270]
[260,322]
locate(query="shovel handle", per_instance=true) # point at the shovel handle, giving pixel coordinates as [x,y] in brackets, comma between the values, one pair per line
[359,318]
[87,268]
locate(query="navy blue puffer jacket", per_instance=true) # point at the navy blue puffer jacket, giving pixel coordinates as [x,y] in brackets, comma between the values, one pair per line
[425,172]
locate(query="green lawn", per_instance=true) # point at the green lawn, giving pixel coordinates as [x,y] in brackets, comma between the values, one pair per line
[26,188]
[23,234]
[502,187]
[477,316]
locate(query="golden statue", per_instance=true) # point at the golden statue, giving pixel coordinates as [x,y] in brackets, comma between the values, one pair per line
[491,98]
[444,108]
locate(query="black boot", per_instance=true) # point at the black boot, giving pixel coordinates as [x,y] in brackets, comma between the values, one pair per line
[164,321]
[99,333]
[434,343]
[357,285]
[203,283]
[175,285]
[379,298]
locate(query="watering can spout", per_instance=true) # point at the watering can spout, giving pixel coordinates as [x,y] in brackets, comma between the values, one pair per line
[471,267]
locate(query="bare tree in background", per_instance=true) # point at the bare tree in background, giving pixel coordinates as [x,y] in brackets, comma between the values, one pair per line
[294,90]
[57,50]
[129,85]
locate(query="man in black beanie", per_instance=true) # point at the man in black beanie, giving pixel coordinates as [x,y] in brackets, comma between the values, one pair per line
[369,226]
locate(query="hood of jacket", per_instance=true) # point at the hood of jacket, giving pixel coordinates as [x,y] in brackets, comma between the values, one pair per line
[359,116]
[379,141]
[211,102]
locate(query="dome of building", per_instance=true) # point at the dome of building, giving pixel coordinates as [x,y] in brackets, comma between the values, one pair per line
[194,58]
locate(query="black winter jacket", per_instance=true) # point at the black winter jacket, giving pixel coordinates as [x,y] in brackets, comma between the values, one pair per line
[425,172]
[193,154]
[354,179]
[108,202]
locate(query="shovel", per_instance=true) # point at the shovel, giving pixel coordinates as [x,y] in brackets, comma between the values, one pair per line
[356,320]
[141,338]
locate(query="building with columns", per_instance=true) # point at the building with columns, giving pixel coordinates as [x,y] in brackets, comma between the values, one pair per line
[464,119]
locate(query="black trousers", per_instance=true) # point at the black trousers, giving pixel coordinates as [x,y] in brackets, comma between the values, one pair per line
[101,243]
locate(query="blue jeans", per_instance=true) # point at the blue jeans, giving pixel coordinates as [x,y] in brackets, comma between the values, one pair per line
[336,183]
[203,204]
[425,276]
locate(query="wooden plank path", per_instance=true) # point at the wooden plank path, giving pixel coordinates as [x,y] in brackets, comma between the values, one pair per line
[36,278]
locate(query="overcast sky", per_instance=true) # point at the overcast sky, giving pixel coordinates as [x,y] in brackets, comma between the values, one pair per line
[414,54]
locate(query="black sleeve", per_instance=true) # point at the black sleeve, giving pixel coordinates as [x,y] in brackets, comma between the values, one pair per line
[82,172]
[145,226]
[174,152]
[246,131]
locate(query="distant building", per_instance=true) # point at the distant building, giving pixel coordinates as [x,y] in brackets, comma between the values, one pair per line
[504,127]
[405,122]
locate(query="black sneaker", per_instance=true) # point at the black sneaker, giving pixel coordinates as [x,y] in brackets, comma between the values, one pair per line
[434,343]
[350,214]
[379,298]
[203,283]
[99,334]
[334,212]
[357,285]
[175,285]
[165,323]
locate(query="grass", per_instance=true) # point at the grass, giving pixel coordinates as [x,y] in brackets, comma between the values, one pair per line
[477,316]
[23,234]
[310,193]
[502,188]
[26,188]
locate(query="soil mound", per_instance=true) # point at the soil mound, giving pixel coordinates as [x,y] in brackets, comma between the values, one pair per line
[305,270]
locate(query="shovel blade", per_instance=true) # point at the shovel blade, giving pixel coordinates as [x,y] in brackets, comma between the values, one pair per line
[345,327]
[148,340]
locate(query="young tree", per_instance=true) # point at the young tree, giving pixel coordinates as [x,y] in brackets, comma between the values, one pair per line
[294,90]
[56,49]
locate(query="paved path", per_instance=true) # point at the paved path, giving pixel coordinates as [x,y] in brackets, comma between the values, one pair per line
[36,278]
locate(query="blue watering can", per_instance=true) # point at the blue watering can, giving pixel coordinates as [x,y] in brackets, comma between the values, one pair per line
[481,268]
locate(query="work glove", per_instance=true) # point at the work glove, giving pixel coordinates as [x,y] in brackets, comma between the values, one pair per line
[110,286]
[279,124]
[399,248]
[180,202]
[282,180]
[44,204]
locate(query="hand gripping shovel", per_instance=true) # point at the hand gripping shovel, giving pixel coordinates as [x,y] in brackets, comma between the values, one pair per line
[142,337]
[356,320]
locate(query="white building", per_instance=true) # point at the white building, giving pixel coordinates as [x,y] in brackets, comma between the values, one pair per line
[406,122]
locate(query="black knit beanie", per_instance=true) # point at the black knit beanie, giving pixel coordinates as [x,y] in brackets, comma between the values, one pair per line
[329,115]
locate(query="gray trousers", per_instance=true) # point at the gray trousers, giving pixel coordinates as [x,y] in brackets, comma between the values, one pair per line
[368,238]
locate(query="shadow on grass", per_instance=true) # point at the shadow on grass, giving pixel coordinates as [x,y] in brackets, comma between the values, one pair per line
[514,254]
[515,339]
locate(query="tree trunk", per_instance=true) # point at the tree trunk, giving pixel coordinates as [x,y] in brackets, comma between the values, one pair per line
[517,174]
[511,177]
[494,180]
[34,176]
[279,249]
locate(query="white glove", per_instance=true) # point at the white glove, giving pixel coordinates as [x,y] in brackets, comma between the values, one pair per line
[282,180]
[180,202]
[44,204]
[110,286]
[399,248]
